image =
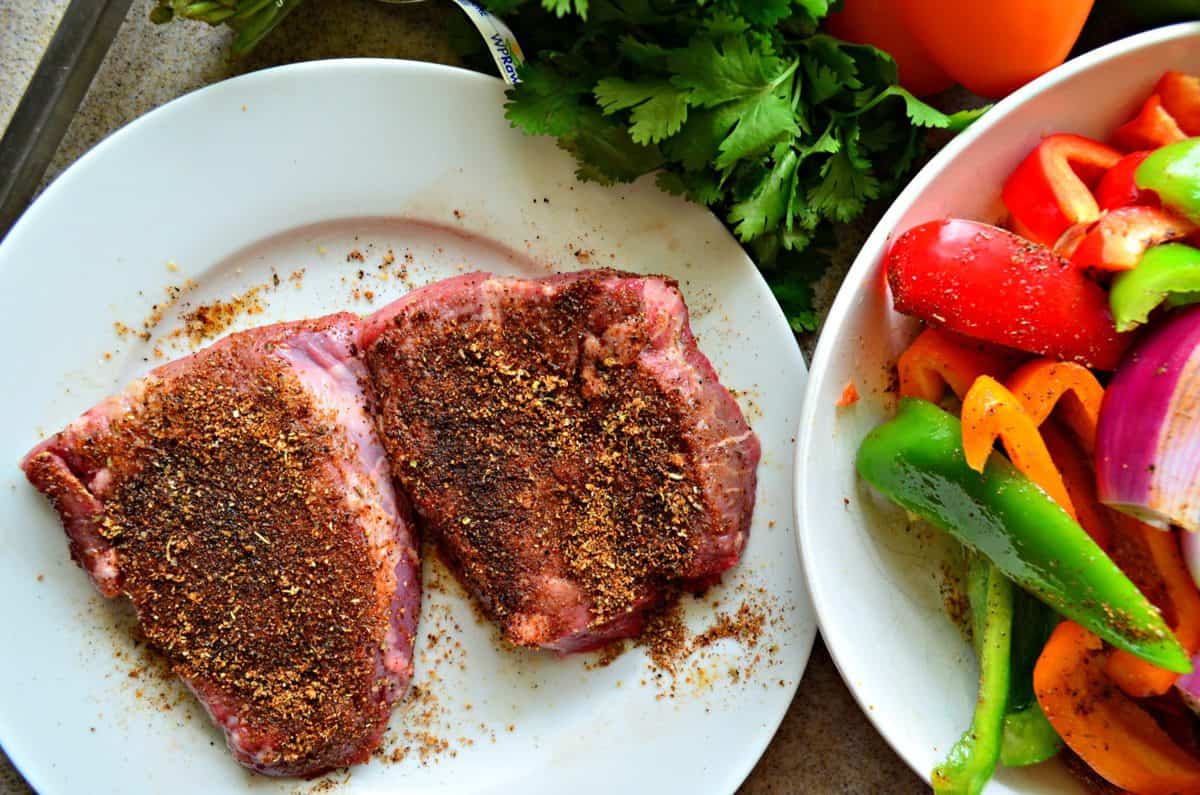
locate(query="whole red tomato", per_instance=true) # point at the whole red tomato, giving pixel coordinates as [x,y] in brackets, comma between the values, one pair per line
[878,22]
[994,47]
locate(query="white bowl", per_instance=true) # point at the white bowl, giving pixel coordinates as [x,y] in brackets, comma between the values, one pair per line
[876,583]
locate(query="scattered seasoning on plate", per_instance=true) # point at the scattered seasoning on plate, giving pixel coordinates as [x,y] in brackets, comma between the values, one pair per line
[208,321]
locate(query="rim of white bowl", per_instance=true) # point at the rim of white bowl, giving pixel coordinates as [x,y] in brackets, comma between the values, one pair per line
[863,267]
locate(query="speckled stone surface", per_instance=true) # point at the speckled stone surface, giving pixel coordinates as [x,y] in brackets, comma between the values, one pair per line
[826,744]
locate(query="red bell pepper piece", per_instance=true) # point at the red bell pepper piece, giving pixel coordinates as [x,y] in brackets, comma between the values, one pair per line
[1118,240]
[1151,128]
[1117,188]
[1051,189]
[1180,95]
[987,283]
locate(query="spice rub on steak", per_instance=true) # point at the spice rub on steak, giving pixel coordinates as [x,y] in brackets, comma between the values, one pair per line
[241,499]
[567,445]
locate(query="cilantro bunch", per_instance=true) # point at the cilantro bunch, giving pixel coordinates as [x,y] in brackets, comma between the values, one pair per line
[740,105]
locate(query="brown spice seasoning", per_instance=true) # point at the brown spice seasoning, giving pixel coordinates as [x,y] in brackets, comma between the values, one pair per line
[664,637]
[247,572]
[550,470]
[209,321]
[745,626]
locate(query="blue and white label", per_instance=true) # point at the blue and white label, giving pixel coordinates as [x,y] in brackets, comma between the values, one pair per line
[499,39]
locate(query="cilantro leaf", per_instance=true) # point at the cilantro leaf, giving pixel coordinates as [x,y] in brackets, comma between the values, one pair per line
[751,88]
[829,53]
[961,120]
[795,297]
[847,182]
[716,73]
[721,24]
[560,8]
[659,109]
[606,153]
[765,208]
[642,53]
[765,13]
[816,9]
[823,82]
[546,101]
[698,141]
[757,125]
[919,113]
[701,188]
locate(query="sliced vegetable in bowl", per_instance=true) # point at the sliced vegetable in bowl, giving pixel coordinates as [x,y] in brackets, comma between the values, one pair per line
[1148,442]
[1023,332]
[1139,447]
[993,285]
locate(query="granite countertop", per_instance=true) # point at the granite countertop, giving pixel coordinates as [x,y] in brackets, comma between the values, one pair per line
[826,743]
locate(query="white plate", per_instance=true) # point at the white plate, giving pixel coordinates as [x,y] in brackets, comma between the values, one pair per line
[875,584]
[293,168]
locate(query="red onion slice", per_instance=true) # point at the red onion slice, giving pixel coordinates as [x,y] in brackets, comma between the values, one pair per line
[1188,686]
[1148,437]
[1190,544]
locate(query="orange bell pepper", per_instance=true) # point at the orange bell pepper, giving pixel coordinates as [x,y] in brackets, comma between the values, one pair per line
[1181,609]
[1043,384]
[1080,480]
[1151,128]
[939,359]
[1117,739]
[990,411]
[1180,95]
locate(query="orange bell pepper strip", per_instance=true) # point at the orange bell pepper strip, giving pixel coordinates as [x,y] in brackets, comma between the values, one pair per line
[1180,96]
[1043,384]
[1117,739]
[937,359]
[1080,480]
[1136,677]
[990,411]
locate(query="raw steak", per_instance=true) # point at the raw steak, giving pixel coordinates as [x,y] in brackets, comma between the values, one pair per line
[242,501]
[567,445]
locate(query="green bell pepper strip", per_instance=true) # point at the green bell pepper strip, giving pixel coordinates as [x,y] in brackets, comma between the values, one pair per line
[917,461]
[1176,300]
[1033,624]
[1173,173]
[1028,736]
[1169,272]
[972,760]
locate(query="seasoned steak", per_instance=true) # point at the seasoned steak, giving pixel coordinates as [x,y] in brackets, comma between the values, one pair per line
[566,444]
[241,499]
